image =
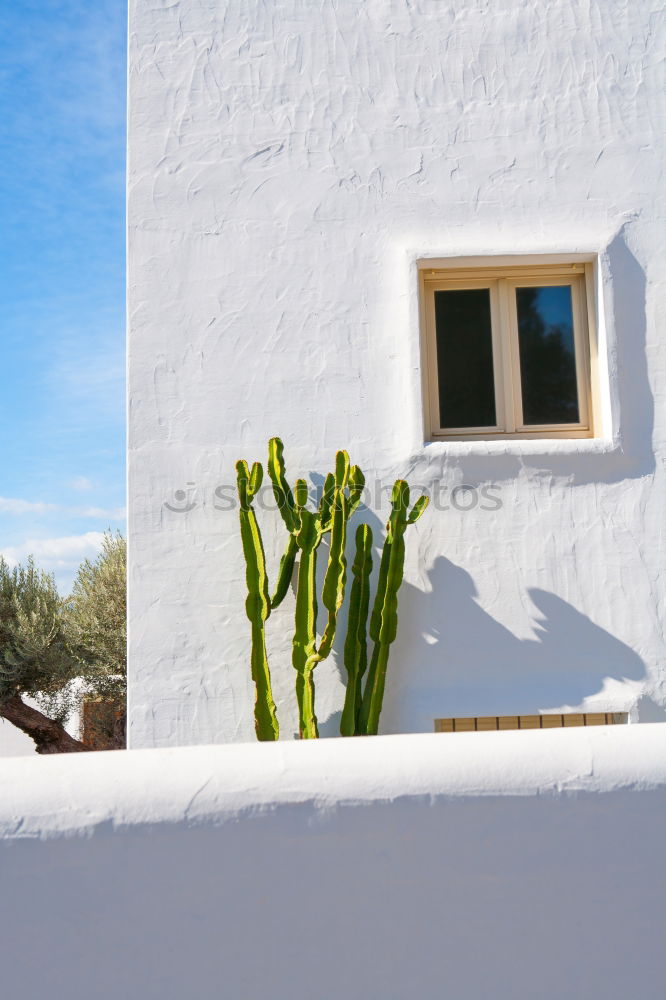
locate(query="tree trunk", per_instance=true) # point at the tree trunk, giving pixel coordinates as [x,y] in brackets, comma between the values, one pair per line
[49,736]
[103,723]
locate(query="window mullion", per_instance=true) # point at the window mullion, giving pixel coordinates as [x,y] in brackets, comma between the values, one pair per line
[581,352]
[506,339]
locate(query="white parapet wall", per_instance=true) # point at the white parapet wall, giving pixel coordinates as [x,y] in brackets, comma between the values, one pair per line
[517,865]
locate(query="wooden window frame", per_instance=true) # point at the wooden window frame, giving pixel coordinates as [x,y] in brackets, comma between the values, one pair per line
[502,282]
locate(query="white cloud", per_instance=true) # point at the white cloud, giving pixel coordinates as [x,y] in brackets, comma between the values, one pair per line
[101,513]
[13,505]
[56,553]
[81,483]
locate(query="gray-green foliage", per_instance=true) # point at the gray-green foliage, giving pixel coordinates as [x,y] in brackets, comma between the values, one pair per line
[55,650]
[95,620]
[35,657]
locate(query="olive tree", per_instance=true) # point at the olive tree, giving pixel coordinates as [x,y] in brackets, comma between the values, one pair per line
[56,651]
[95,619]
[35,659]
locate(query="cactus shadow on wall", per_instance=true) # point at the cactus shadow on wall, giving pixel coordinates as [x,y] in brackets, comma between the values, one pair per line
[471,664]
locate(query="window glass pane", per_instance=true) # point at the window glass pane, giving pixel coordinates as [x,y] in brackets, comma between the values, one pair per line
[465,358]
[547,355]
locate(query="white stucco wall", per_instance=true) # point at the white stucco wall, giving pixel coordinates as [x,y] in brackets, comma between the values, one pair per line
[13,742]
[288,163]
[518,866]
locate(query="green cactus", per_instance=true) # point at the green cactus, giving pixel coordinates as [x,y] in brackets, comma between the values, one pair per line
[285,572]
[333,592]
[356,650]
[305,623]
[340,497]
[257,604]
[281,490]
[306,528]
[384,618]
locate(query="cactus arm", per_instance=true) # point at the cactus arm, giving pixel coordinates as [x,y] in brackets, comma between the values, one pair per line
[356,651]
[418,509]
[256,478]
[341,469]
[333,515]
[374,630]
[399,504]
[376,616]
[335,578]
[356,487]
[281,489]
[326,502]
[306,623]
[266,724]
[257,604]
[374,690]
[243,481]
[384,619]
[374,694]
[333,591]
[285,572]
[300,494]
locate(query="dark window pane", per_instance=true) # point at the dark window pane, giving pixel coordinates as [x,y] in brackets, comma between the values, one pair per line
[465,358]
[547,355]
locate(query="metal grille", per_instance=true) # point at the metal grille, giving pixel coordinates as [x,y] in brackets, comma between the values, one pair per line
[487,723]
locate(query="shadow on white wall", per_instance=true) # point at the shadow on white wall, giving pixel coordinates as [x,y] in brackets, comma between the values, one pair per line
[471,664]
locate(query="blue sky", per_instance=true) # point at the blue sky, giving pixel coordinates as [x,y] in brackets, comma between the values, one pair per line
[62,261]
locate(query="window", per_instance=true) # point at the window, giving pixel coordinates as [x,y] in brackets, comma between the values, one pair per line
[508,350]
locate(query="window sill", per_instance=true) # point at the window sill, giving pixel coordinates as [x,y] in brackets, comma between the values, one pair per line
[522,446]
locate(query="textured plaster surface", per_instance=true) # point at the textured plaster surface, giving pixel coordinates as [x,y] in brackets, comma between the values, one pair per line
[14,743]
[288,164]
[515,865]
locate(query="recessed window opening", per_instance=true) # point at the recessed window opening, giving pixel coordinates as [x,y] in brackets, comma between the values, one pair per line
[508,351]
